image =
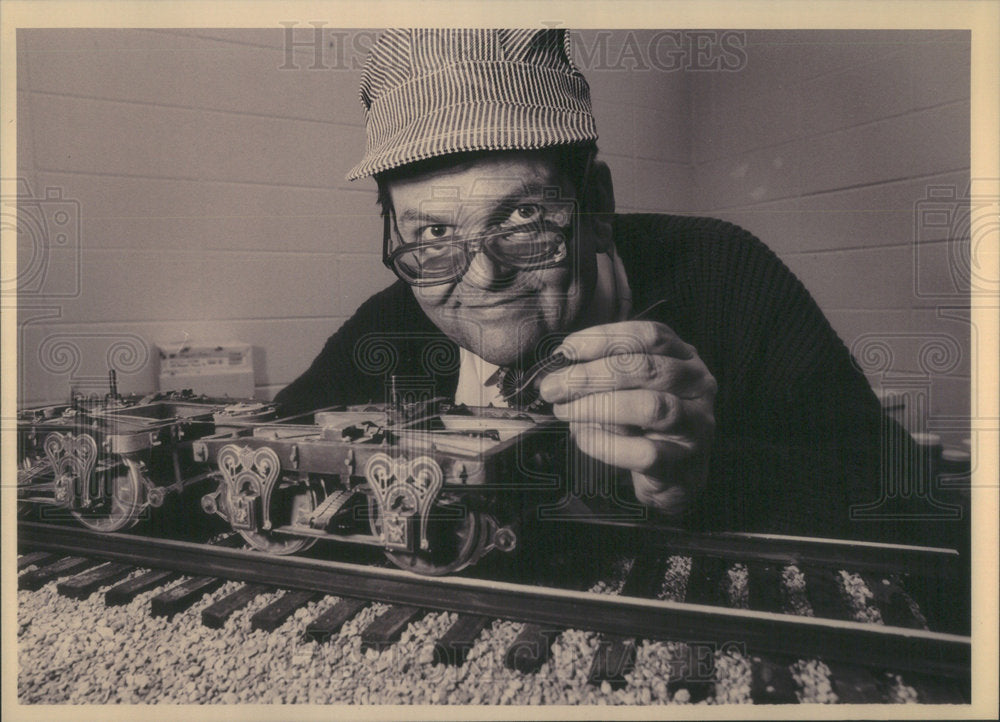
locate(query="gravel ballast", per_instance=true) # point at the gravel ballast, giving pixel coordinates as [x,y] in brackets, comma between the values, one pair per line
[82,652]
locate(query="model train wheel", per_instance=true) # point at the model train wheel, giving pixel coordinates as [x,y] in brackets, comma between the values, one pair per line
[300,503]
[456,540]
[30,471]
[124,501]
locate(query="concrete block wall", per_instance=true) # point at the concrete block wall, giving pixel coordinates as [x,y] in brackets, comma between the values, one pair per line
[844,152]
[210,184]
[207,168]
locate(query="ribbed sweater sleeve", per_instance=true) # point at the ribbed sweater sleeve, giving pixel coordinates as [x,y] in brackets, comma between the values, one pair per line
[798,429]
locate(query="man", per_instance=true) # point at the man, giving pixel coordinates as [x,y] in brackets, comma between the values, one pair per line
[697,362]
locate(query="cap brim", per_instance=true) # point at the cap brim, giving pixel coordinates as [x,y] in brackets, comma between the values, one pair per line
[480,127]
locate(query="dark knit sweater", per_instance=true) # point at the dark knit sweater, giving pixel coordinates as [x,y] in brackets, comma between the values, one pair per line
[797,425]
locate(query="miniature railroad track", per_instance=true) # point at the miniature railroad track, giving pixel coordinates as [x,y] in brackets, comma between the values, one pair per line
[910,639]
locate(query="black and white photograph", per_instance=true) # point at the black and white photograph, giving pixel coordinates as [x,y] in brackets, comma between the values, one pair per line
[509,360]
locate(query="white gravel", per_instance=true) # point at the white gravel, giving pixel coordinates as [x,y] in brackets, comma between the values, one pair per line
[737,588]
[899,692]
[675,578]
[81,652]
[860,598]
[733,677]
[813,677]
[796,601]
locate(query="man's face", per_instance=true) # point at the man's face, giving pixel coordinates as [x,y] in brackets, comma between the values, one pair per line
[498,312]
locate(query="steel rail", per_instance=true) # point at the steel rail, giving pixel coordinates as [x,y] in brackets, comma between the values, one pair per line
[854,555]
[892,648]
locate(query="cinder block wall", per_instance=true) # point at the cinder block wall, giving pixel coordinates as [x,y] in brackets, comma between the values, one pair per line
[206,172]
[210,186]
[841,151]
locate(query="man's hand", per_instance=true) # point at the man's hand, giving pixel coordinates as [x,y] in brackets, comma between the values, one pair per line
[639,398]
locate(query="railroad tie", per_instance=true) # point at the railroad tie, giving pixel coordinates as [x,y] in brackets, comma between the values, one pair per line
[646,575]
[215,616]
[704,586]
[615,655]
[38,559]
[274,614]
[854,684]
[388,626]
[893,603]
[764,585]
[829,599]
[826,594]
[771,677]
[181,596]
[129,590]
[695,672]
[937,601]
[705,581]
[329,622]
[453,648]
[613,659]
[37,578]
[772,681]
[86,583]
[939,690]
[532,647]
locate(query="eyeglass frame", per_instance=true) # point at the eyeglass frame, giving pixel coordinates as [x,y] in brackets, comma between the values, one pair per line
[389,257]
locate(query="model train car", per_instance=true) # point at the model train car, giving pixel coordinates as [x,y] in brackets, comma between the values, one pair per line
[437,486]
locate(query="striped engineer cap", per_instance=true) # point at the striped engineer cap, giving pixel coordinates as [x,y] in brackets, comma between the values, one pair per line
[432,92]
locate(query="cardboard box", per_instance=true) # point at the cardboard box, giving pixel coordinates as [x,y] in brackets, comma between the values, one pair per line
[212,369]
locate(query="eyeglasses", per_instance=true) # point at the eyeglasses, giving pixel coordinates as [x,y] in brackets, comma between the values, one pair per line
[536,244]
[529,246]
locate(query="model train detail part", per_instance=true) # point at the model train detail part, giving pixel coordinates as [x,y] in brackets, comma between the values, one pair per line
[434,485]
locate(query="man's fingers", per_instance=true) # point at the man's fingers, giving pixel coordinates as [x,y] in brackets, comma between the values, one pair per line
[647,410]
[623,338]
[639,453]
[668,498]
[623,371]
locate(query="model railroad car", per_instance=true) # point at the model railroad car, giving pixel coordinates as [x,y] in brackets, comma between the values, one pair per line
[437,486]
